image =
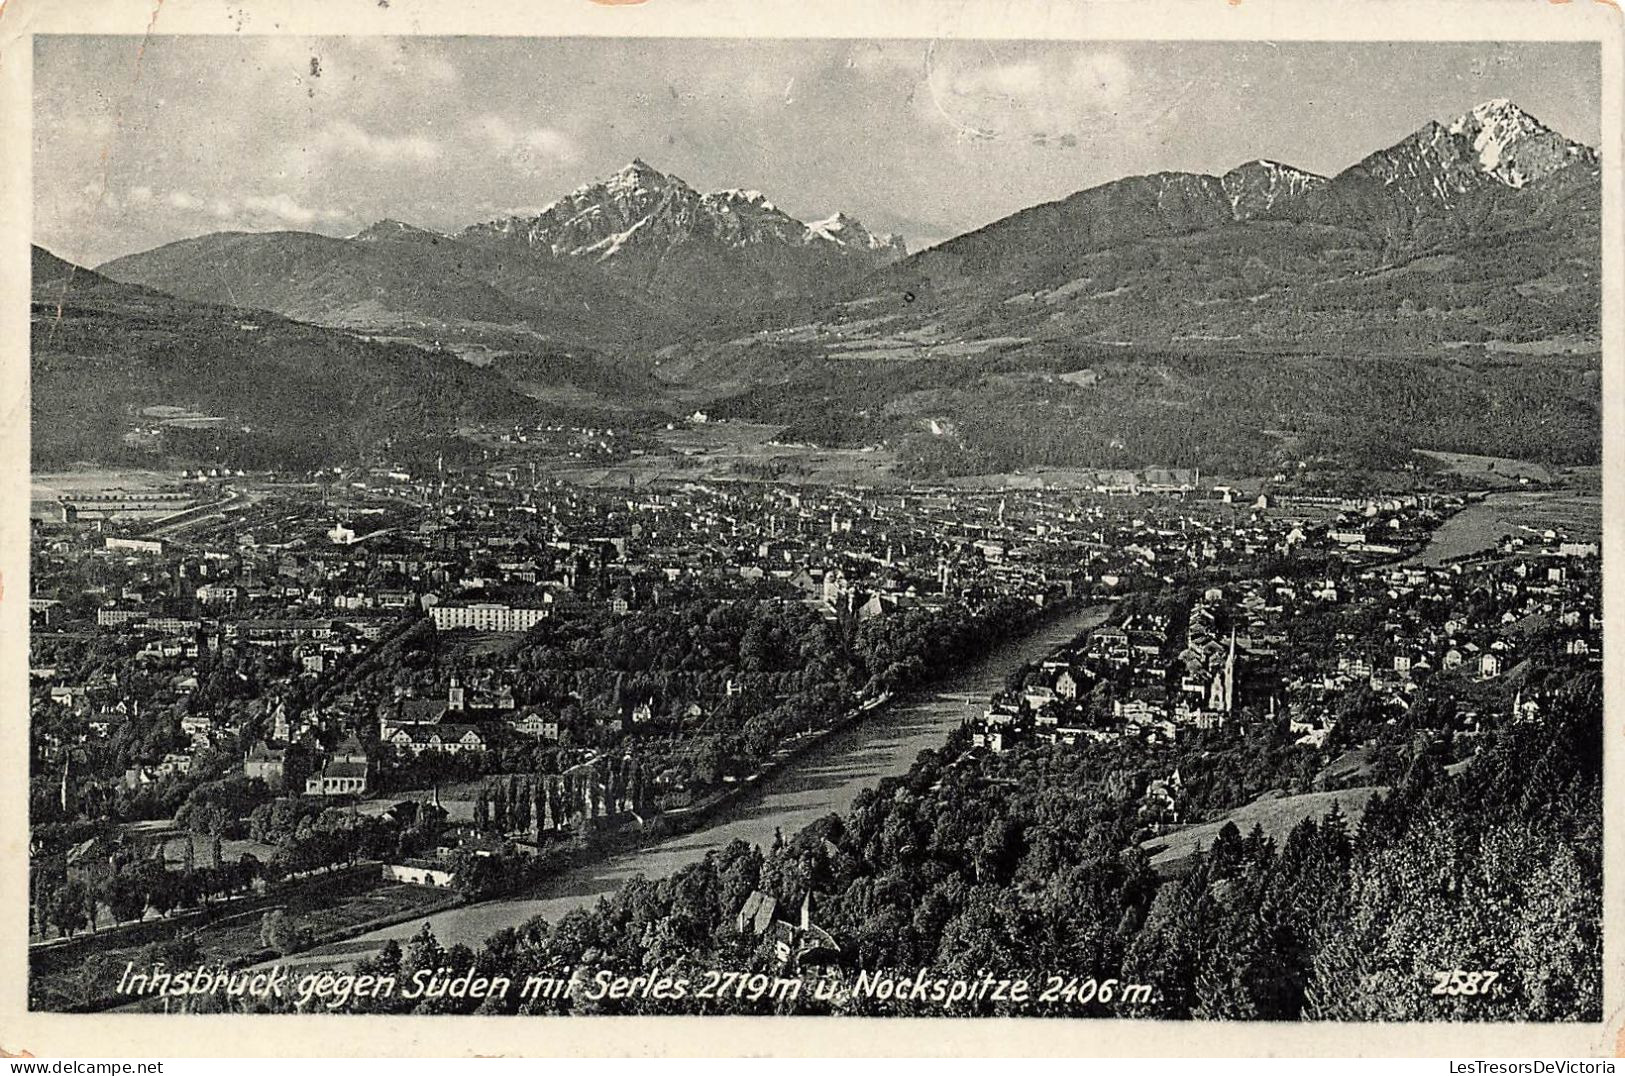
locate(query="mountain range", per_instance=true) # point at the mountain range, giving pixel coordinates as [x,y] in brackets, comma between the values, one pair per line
[613,264]
[1490,169]
[1466,256]
[1444,291]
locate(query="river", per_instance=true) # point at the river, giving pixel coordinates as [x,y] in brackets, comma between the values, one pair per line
[826,779]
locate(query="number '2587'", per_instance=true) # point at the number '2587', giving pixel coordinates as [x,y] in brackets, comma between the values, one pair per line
[1465,984]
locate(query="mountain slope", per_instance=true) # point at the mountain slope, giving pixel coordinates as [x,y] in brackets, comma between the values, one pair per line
[1514,147]
[1253,253]
[1467,253]
[628,262]
[1256,188]
[1444,181]
[1046,239]
[1463,263]
[394,280]
[288,394]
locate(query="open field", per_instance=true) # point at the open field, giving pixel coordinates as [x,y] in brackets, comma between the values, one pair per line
[1277,815]
[1351,765]
[1479,526]
[480,644]
[1491,470]
[1586,479]
[48,488]
[1553,345]
[737,451]
[230,851]
[93,480]
[181,417]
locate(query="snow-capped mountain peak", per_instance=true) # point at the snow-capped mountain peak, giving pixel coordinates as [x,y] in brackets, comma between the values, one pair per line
[849,232]
[1259,186]
[390,229]
[734,199]
[1496,128]
[1512,146]
[636,178]
[1498,112]
[833,225]
[636,219]
[751,197]
[1494,144]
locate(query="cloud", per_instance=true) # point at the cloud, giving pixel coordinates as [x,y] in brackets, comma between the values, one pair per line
[248,209]
[404,58]
[1045,98]
[349,138]
[528,146]
[1015,81]
[436,69]
[282,207]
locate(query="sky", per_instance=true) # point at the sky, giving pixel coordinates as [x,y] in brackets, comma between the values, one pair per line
[138,146]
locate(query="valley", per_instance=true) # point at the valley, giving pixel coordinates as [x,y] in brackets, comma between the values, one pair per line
[1261,322]
[1190,574]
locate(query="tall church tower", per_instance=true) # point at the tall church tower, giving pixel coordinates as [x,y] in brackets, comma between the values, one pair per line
[1230,674]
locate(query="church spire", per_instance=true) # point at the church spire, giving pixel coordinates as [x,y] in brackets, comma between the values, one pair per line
[1230,673]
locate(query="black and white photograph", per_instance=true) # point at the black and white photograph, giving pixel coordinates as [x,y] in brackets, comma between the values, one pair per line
[943,527]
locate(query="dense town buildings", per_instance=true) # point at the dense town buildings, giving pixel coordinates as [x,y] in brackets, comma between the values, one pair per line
[372,641]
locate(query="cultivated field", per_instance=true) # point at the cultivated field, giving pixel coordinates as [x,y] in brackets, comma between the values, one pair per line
[1490,470]
[50,487]
[737,451]
[1277,815]
[87,971]
[1479,526]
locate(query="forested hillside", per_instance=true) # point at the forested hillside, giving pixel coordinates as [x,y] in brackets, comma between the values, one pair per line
[284,393]
[1025,864]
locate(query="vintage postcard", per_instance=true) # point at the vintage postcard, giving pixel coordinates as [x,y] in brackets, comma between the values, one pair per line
[901,527]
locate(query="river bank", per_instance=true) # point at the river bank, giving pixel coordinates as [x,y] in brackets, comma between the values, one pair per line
[827,775]
[830,771]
